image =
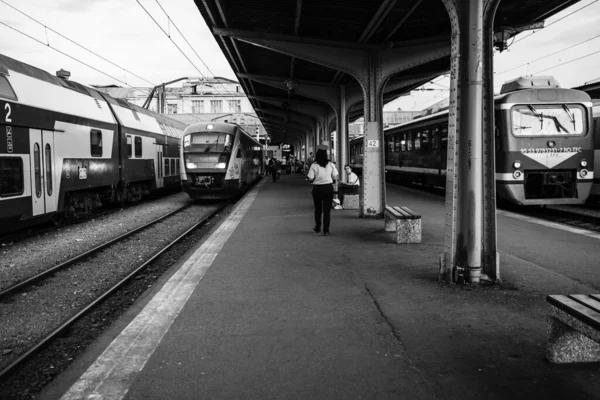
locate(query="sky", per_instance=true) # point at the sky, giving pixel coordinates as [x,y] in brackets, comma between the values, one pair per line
[125,33]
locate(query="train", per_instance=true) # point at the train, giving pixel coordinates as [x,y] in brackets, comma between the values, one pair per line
[544,145]
[595,193]
[220,160]
[67,149]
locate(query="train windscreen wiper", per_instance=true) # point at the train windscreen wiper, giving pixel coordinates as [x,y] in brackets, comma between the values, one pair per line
[570,114]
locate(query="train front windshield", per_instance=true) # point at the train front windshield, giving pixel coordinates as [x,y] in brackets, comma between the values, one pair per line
[207,150]
[548,120]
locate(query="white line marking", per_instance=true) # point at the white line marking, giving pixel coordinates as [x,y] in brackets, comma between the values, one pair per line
[579,231]
[113,372]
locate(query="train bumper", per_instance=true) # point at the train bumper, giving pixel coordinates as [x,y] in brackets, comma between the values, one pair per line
[199,192]
[515,193]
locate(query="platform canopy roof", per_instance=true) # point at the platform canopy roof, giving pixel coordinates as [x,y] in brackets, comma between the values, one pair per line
[353,22]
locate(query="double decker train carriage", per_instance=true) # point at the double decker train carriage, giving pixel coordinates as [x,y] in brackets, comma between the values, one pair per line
[543,138]
[220,160]
[595,194]
[67,149]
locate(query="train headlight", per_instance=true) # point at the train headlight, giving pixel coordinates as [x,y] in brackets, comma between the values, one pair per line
[191,165]
[517,164]
[517,174]
[221,165]
[583,163]
[583,173]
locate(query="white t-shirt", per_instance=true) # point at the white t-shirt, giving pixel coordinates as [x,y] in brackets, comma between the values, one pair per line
[322,176]
[353,179]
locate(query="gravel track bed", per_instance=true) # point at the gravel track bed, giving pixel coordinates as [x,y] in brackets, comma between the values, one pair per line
[27,317]
[25,259]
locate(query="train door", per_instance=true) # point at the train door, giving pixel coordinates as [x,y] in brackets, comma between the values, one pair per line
[159,162]
[44,190]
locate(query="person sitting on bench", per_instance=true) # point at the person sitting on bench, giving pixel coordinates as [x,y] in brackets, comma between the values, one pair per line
[350,186]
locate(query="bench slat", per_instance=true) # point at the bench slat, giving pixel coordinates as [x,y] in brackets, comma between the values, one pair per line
[595,296]
[393,211]
[413,214]
[576,309]
[587,301]
[404,214]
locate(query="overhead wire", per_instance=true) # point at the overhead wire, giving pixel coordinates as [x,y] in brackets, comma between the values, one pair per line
[175,44]
[72,41]
[548,55]
[553,22]
[68,55]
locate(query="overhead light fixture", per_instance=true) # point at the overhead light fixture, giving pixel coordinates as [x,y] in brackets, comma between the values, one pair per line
[291,86]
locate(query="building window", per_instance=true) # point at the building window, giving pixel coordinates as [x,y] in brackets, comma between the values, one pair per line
[216,106]
[197,106]
[235,106]
[171,108]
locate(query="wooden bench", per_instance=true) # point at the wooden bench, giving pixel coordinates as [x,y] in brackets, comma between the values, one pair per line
[573,328]
[405,222]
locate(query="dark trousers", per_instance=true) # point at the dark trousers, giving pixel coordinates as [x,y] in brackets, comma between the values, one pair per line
[274,173]
[323,199]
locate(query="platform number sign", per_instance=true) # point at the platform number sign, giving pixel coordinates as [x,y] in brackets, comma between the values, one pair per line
[372,143]
[8,111]
[9,139]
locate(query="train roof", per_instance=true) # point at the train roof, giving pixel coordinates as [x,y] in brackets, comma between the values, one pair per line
[221,127]
[8,64]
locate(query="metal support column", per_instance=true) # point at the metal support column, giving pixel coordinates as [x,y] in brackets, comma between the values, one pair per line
[373,187]
[343,134]
[470,244]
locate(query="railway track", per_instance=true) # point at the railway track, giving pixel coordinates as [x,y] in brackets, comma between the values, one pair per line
[77,269]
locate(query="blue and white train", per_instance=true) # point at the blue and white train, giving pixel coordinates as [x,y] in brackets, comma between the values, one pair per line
[67,149]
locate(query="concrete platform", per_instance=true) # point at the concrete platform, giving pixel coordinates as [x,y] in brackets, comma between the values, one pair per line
[268,309]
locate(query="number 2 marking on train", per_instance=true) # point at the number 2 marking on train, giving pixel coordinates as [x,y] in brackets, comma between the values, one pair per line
[7,108]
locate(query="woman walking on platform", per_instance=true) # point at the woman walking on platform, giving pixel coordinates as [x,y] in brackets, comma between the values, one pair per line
[322,174]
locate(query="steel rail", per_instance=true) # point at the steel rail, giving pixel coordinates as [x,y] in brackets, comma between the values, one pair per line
[51,336]
[29,281]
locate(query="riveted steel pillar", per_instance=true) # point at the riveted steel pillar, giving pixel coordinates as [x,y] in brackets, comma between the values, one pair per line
[470,237]
[373,187]
[343,134]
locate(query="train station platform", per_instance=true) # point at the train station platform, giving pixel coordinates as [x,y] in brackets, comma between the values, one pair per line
[267,309]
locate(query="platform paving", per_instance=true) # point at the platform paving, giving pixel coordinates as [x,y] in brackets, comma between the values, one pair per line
[285,313]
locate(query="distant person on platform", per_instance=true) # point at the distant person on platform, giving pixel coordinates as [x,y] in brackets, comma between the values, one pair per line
[310,160]
[322,174]
[350,186]
[273,168]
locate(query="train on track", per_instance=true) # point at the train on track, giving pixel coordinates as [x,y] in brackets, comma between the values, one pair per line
[220,160]
[544,144]
[67,149]
[595,193]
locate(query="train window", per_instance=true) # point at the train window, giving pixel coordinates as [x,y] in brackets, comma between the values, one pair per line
[6,89]
[548,120]
[177,166]
[397,143]
[167,167]
[444,138]
[409,141]
[418,141]
[403,142]
[11,176]
[37,170]
[138,146]
[173,166]
[96,143]
[211,142]
[48,159]
[129,146]
[425,140]
[435,138]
